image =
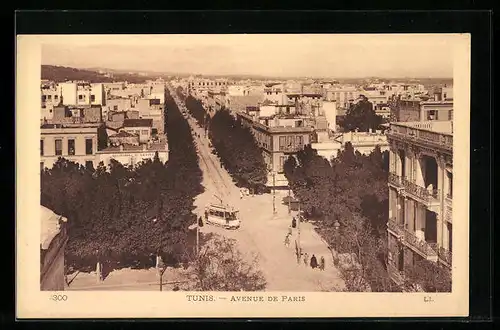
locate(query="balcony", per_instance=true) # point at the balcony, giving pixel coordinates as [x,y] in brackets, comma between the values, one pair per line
[395,180]
[397,229]
[436,134]
[428,197]
[445,256]
[448,210]
[292,148]
[425,249]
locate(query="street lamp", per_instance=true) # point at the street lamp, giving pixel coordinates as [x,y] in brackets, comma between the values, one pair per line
[160,265]
[336,227]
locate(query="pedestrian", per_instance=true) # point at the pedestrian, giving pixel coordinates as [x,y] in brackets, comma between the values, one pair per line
[306,258]
[287,240]
[322,263]
[314,262]
[289,230]
[294,222]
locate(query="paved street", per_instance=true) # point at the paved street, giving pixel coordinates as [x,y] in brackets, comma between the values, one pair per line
[261,233]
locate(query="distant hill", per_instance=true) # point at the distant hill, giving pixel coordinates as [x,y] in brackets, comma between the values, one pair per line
[61,74]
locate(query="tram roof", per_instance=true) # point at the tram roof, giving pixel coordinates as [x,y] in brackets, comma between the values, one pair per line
[222,207]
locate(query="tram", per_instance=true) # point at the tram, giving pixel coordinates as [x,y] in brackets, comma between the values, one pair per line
[222,215]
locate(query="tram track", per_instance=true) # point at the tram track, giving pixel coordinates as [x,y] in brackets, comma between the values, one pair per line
[205,154]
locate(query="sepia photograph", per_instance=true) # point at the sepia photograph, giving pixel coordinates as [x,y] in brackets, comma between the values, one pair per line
[240,169]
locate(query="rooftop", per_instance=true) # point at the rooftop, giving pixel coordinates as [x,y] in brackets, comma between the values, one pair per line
[50,226]
[443,127]
[127,148]
[138,123]
[123,134]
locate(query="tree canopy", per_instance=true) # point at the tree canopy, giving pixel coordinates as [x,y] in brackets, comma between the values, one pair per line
[361,116]
[350,189]
[126,214]
[234,144]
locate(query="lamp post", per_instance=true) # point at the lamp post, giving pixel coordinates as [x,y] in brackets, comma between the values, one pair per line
[160,265]
[274,193]
[289,199]
[298,228]
[336,227]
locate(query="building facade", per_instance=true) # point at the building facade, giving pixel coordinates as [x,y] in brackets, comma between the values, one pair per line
[420,195]
[278,140]
[53,239]
[75,143]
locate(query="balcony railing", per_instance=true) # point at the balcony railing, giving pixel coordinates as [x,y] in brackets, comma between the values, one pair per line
[422,132]
[395,179]
[445,255]
[426,195]
[395,227]
[448,209]
[428,250]
[292,148]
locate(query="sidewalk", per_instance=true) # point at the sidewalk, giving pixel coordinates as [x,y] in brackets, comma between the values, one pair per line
[125,277]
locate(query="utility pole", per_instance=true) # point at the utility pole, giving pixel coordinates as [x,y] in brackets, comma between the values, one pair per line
[298,230]
[274,193]
[289,199]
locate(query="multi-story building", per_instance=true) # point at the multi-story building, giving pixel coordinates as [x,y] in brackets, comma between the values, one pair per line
[82,93]
[363,142]
[278,136]
[141,127]
[152,109]
[343,95]
[203,84]
[53,239]
[420,194]
[126,149]
[75,142]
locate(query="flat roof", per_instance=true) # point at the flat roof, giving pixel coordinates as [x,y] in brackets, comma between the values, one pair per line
[138,123]
[128,148]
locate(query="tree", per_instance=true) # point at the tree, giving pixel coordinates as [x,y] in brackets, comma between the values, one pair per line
[123,215]
[221,267]
[428,276]
[361,116]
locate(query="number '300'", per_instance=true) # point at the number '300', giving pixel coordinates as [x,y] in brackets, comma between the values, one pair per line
[59,297]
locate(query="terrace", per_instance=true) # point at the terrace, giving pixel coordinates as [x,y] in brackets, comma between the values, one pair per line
[434,133]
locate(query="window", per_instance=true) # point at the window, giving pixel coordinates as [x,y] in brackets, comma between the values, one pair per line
[80,97]
[58,145]
[56,97]
[450,184]
[431,115]
[92,98]
[41,147]
[44,98]
[71,147]
[49,97]
[115,108]
[88,147]
[282,142]
[298,140]
[282,162]
[450,114]
[144,132]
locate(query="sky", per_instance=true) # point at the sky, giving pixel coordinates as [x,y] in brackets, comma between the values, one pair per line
[299,55]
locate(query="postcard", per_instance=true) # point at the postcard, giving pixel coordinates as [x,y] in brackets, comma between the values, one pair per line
[242,175]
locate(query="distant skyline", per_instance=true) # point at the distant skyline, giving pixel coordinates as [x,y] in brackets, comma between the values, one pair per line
[319,55]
